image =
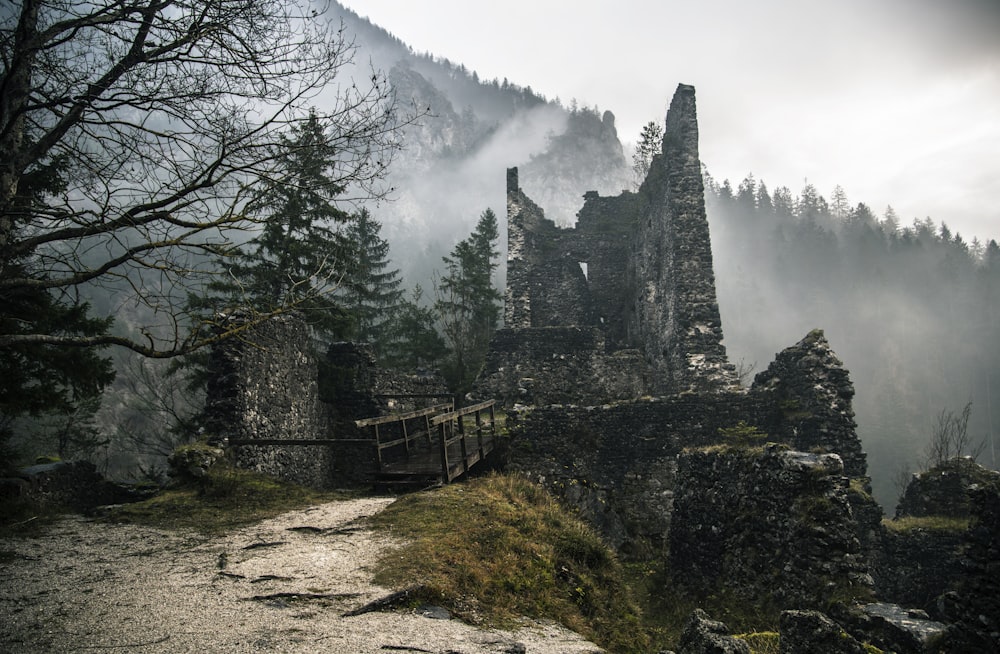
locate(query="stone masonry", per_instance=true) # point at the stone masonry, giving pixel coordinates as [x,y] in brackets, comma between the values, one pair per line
[635,272]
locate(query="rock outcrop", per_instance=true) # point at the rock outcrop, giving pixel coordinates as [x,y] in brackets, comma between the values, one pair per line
[702,635]
[768,525]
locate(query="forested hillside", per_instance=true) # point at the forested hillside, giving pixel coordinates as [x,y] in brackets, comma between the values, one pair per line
[912,309]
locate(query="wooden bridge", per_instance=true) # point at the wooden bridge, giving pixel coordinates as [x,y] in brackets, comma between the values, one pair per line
[438,443]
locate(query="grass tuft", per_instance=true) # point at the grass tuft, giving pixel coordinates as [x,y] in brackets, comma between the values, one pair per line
[927,523]
[500,547]
[226,498]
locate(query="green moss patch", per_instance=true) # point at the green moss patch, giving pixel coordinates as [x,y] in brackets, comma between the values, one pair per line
[500,547]
[224,499]
[927,523]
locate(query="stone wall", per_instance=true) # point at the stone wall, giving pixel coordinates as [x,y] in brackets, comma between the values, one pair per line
[64,484]
[616,463]
[269,385]
[558,365]
[264,385]
[637,267]
[944,489]
[975,606]
[769,525]
[920,558]
[675,315]
[809,385]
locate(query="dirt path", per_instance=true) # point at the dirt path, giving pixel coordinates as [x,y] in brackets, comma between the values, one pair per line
[90,586]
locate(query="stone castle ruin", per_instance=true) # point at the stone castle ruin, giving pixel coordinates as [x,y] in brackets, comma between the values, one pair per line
[621,400]
[630,286]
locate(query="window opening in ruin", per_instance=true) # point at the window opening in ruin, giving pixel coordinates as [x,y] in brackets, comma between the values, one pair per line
[583,267]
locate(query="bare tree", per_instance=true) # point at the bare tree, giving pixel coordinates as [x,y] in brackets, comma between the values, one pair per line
[950,438]
[165,116]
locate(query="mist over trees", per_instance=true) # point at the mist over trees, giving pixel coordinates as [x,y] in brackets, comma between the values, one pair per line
[126,193]
[135,138]
[911,309]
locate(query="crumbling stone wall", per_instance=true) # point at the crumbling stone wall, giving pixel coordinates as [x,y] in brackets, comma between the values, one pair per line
[264,385]
[637,266]
[269,385]
[675,315]
[559,365]
[808,383]
[772,526]
[943,490]
[616,463]
[975,607]
[920,557]
[73,484]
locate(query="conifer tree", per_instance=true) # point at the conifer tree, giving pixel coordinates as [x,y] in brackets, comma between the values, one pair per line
[412,340]
[47,383]
[301,255]
[467,302]
[370,291]
[650,144]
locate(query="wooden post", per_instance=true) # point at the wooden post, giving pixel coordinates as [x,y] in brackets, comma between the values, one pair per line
[479,435]
[443,433]
[462,445]
[378,449]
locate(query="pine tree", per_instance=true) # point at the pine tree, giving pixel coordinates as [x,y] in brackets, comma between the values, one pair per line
[301,256]
[650,144]
[370,291]
[467,302]
[412,340]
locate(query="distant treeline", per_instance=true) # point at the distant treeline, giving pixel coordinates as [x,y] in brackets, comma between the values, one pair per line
[911,309]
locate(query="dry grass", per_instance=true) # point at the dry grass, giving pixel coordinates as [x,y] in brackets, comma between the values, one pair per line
[500,547]
[927,523]
[225,499]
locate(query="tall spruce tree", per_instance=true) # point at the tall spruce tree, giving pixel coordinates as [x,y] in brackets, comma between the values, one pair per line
[412,340]
[468,305]
[370,291]
[301,256]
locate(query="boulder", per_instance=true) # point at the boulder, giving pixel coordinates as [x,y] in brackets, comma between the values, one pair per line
[814,632]
[702,635]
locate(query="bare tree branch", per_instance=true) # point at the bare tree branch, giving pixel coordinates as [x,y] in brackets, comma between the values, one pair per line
[167,116]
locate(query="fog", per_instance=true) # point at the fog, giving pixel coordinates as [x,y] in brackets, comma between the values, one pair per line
[909,308]
[912,312]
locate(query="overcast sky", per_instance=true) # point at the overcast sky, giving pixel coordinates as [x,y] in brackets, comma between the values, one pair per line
[898,101]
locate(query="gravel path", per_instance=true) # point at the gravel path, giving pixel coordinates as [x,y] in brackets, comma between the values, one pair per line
[279,586]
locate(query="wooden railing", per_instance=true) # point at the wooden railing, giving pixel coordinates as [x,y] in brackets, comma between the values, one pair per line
[408,424]
[452,430]
[438,440]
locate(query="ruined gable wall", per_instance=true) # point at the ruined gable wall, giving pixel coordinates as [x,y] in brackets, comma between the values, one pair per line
[603,239]
[546,284]
[675,313]
[264,386]
[813,391]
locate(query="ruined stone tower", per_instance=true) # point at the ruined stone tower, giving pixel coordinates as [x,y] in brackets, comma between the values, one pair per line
[675,316]
[624,302]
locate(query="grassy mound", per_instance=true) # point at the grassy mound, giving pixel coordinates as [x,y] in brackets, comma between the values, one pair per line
[224,499]
[500,547]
